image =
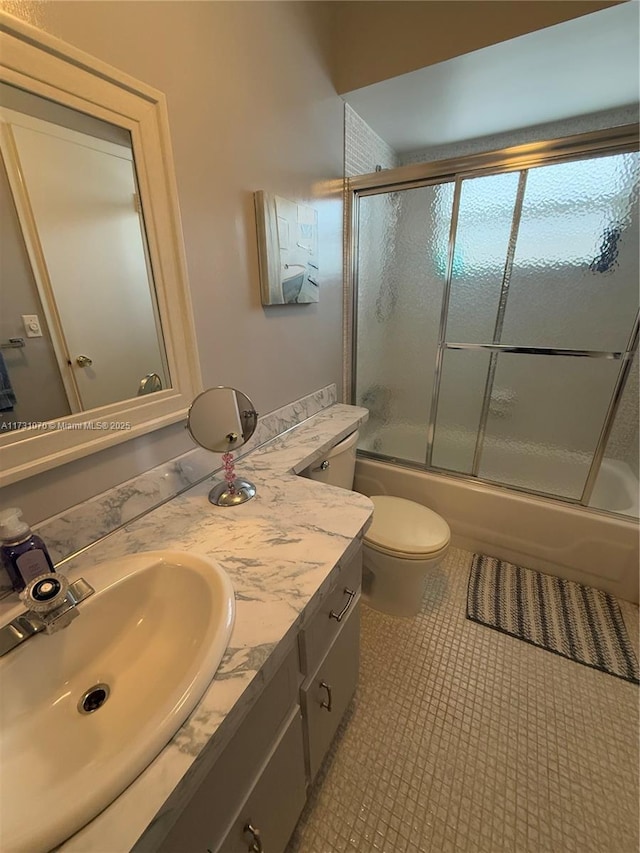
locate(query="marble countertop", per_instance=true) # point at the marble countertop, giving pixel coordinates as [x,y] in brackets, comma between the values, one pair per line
[281,551]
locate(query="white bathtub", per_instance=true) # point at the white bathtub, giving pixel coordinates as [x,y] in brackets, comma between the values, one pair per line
[616,489]
[539,469]
[585,545]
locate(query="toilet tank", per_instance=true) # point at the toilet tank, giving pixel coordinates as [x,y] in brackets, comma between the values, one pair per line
[337,466]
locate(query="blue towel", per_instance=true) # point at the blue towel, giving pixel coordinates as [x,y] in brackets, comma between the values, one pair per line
[7,394]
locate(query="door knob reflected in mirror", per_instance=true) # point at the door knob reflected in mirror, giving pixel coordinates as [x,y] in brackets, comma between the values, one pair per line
[84,361]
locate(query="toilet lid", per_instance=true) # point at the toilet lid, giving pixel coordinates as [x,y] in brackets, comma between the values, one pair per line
[405,527]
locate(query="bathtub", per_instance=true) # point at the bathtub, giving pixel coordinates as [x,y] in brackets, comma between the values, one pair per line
[577,543]
[616,489]
[527,466]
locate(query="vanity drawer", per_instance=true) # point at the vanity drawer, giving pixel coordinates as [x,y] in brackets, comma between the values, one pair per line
[326,694]
[205,820]
[317,635]
[276,800]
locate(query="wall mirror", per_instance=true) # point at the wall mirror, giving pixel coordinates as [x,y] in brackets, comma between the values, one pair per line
[223,419]
[96,331]
[79,308]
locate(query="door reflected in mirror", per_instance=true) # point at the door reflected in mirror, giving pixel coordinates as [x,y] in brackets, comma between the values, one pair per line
[80,326]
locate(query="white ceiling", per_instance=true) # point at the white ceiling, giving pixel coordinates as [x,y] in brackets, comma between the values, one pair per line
[574,68]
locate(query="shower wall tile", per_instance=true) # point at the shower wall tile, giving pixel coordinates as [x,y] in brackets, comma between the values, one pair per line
[79,526]
[364,149]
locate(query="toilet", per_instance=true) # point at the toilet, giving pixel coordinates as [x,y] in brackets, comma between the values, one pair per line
[404,543]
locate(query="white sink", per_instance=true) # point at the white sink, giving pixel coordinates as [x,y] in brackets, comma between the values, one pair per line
[291,271]
[155,632]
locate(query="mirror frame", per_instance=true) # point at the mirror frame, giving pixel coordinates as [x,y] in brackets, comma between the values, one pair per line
[46,66]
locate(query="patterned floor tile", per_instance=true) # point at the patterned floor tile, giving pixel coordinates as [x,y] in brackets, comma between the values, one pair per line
[464,740]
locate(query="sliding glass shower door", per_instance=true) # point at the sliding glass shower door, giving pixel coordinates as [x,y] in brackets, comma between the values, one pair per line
[496,317]
[402,275]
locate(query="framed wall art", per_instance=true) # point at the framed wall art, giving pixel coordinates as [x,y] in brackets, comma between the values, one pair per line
[287,250]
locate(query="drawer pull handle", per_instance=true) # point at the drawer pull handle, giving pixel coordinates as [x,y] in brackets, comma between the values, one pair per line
[338,616]
[329,701]
[256,840]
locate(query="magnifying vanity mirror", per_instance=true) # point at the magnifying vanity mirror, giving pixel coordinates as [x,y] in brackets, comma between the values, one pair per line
[223,419]
[97,344]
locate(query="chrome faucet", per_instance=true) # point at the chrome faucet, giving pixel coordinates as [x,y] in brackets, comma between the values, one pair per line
[51,600]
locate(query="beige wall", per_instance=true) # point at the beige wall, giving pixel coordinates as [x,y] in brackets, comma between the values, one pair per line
[251,106]
[374,41]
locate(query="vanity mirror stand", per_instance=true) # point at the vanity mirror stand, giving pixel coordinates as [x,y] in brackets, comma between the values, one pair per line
[223,419]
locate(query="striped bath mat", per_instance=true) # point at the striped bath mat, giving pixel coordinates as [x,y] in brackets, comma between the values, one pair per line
[572,620]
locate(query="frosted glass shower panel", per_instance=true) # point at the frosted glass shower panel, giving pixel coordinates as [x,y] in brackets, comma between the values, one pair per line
[485,218]
[401,236]
[545,418]
[377,216]
[616,487]
[574,282]
[463,378]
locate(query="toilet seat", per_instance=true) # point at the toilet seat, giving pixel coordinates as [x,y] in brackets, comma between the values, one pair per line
[406,529]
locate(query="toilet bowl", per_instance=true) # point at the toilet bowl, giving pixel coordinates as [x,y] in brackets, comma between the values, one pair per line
[405,542]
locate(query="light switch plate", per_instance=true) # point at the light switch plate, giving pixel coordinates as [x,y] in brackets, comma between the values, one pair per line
[32,325]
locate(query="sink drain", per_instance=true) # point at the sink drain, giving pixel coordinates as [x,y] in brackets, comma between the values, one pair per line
[93,698]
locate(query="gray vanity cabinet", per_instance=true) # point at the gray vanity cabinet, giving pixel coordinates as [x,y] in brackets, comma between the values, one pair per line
[258,779]
[320,629]
[267,818]
[326,694]
[330,658]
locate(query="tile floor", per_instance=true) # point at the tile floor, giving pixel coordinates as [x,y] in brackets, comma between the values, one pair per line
[463,740]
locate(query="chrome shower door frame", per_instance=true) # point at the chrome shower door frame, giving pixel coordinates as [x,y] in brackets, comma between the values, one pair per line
[519,158]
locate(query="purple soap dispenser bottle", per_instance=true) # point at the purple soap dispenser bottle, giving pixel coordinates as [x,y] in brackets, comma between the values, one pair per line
[23,554]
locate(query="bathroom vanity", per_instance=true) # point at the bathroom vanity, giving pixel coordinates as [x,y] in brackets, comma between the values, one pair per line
[235,776]
[261,776]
